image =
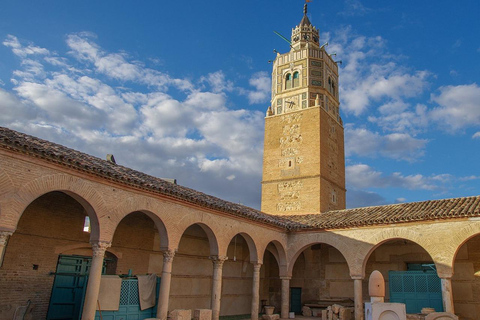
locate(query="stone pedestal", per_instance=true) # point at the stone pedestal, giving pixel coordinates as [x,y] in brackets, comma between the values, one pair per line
[441,316]
[202,314]
[181,314]
[384,311]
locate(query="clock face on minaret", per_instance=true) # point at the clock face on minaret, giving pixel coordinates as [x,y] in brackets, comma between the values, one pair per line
[304,162]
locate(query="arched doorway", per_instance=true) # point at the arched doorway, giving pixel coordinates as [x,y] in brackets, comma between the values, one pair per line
[237,279]
[466,280]
[49,224]
[191,284]
[320,278]
[409,272]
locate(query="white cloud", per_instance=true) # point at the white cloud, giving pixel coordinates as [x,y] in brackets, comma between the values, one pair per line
[217,82]
[476,135]
[459,106]
[262,83]
[362,176]
[117,66]
[23,51]
[194,138]
[400,146]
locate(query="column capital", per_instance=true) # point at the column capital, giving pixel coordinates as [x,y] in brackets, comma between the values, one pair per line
[99,247]
[4,237]
[218,260]
[168,255]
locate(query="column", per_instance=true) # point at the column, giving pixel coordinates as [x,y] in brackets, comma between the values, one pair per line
[3,243]
[358,297]
[94,277]
[255,289]
[163,296]
[447,295]
[217,284]
[285,297]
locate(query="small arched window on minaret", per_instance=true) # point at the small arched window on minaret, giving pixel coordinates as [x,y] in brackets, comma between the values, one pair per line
[333,88]
[296,80]
[288,81]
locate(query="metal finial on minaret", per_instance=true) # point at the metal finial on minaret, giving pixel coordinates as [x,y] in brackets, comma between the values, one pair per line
[305,8]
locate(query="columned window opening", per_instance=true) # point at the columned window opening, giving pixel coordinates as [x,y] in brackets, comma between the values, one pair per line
[288,81]
[296,80]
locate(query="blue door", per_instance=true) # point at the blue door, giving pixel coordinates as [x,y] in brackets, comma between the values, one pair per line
[296,300]
[129,308]
[66,300]
[417,289]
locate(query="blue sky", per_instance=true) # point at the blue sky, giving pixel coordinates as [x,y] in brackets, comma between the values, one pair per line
[180,89]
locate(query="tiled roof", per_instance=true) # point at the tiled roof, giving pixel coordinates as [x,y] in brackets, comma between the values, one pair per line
[395,213]
[338,219]
[76,160]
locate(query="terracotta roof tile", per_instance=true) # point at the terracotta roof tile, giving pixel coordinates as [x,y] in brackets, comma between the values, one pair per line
[19,142]
[339,219]
[396,213]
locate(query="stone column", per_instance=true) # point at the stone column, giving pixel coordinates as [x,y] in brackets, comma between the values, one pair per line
[358,297]
[285,297]
[4,235]
[255,290]
[217,284]
[94,277]
[163,296]
[447,295]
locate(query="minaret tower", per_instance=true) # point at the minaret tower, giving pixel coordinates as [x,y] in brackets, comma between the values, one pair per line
[304,158]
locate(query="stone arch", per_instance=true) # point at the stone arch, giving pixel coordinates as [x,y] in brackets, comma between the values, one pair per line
[212,238]
[77,188]
[252,248]
[63,249]
[388,235]
[457,241]
[280,254]
[150,208]
[339,243]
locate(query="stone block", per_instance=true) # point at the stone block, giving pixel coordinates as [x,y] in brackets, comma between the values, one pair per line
[345,313]
[336,308]
[202,314]
[306,311]
[181,314]
[324,314]
[441,316]
[275,316]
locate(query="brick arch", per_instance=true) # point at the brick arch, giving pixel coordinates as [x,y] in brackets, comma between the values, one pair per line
[457,241]
[7,221]
[280,255]
[393,234]
[163,220]
[78,189]
[212,238]
[340,243]
[252,247]
[6,183]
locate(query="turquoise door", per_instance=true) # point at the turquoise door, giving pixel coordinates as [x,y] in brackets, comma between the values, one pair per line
[417,289]
[69,287]
[296,300]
